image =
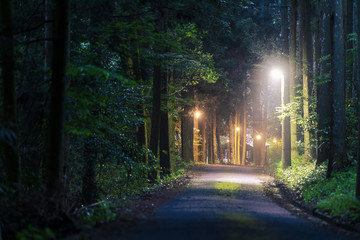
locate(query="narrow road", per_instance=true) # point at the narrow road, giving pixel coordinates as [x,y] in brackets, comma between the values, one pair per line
[227,202]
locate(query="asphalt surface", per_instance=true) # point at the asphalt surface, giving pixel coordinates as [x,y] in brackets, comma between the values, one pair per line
[227,202]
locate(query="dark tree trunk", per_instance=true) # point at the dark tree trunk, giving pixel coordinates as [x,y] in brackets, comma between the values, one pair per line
[7,61]
[210,149]
[49,28]
[155,115]
[187,130]
[338,70]
[357,74]
[324,99]
[89,189]
[55,151]
[165,165]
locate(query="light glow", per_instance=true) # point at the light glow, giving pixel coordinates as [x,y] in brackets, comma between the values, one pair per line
[237,129]
[197,114]
[258,137]
[276,73]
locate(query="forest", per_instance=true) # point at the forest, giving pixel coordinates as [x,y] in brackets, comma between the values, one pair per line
[103,100]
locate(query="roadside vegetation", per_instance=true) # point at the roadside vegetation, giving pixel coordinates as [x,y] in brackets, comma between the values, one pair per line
[334,196]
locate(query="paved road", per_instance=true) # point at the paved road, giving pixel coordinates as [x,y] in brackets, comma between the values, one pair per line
[227,202]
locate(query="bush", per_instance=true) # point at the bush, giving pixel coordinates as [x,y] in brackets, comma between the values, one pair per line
[335,195]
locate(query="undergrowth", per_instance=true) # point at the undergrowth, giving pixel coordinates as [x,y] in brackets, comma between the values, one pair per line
[335,195]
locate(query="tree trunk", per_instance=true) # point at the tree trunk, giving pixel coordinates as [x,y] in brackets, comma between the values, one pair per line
[243,155]
[220,152]
[187,130]
[306,71]
[165,165]
[357,74]
[203,143]
[338,67]
[210,149]
[89,189]
[49,26]
[7,61]
[231,136]
[215,149]
[292,68]
[324,98]
[286,135]
[236,135]
[55,151]
[155,116]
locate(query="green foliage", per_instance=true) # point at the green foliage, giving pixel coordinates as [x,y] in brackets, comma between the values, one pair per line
[335,195]
[34,233]
[103,212]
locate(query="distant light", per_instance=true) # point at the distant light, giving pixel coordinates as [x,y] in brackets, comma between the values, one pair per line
[227,140]
[276,73]
[197,114]
[258,137]
[274,140]
[237,129]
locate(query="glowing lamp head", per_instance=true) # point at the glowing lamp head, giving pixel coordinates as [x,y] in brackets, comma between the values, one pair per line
[237,129]
[274,140]
[197,114]
[276,73]
[258,137]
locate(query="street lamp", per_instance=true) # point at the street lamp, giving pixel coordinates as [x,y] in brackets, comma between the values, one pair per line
[285,123]
[237,129]
[258,137]
[197,114]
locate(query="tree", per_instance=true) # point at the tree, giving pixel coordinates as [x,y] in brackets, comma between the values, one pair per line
[7,64]
[338,78]
[55,150]
[187,130]
[244,126]
[324,99]
[357,75]
[305,40]
[286,137]
[165,165]
[292,80]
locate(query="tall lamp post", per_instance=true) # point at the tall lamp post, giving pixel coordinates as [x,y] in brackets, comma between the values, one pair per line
[285,123]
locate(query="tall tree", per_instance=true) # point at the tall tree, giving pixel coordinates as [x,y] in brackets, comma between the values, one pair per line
[305,39]
[55,151]
[187,129]
[165,165]
[286,134]
[292,80]
[338,70]
[7,61]
[231,132]
[357,74]
[324,99]
[244,105]
[214,131]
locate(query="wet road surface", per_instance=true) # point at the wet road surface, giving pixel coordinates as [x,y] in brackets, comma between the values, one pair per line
[227,202]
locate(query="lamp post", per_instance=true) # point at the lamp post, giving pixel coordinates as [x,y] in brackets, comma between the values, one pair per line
[285,123]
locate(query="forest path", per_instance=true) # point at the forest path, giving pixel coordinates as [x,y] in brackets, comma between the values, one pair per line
[226,202]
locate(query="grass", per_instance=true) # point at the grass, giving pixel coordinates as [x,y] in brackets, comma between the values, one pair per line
[335,196]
